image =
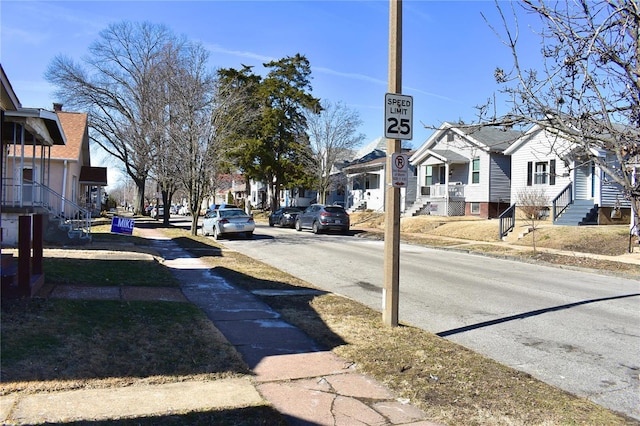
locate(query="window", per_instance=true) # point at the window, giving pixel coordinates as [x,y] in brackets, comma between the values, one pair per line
[372,182]
[428,178]
[475,171]
[540,176]
[449,136]
[475,208]
[541,173]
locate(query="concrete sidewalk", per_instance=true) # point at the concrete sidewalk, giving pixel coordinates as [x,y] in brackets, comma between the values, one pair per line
[305,382]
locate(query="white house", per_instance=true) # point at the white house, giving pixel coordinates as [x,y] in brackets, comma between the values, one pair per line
[463,170]
[579,192]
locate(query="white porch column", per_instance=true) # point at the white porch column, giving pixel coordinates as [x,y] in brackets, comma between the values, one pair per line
[446,188]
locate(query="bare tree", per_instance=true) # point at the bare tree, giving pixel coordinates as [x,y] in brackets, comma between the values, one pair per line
[533,205]
[333,134]
[587,88]
[204,111]
[118,84]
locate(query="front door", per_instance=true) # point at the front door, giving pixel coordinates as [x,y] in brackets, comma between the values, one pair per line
[584,181]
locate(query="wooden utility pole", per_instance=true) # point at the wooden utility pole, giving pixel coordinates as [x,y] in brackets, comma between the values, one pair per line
[392,194]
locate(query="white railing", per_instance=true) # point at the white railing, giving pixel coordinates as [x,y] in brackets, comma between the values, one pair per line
[456,190]
[34,194]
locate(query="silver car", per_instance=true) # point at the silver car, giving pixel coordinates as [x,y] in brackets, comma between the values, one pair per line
[227,221]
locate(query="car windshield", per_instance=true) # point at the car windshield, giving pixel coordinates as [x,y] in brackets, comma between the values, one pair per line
[334,209]
[232,213]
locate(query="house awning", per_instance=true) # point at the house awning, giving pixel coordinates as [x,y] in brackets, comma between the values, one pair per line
[40,124]
[93,176]
[439,156]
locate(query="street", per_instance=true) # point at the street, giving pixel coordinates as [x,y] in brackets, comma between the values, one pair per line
[576,330]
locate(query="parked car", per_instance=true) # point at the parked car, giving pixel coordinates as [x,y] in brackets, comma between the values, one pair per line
[226,221]
[320,217]
[174,209]
[159,211]
[184,211]
[284,216]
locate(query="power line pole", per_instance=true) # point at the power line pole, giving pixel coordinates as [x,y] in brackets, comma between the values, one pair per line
[392,193]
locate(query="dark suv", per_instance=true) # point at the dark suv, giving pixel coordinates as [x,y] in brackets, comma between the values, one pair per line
[320,218]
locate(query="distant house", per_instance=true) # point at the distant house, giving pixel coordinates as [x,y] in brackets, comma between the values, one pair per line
[579,191]
[366,179]
[463,170]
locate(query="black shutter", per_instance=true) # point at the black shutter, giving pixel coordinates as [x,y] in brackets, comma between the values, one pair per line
[552,172]
[529,173]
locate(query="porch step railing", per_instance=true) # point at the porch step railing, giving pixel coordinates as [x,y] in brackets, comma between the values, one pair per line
[507,221]
[561,202]
[76,219]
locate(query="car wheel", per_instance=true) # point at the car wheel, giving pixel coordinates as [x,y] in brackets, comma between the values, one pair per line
[298,225]
[216,234]
[282,222]
[204,232]
[249,235]
[315,228]
[271,222]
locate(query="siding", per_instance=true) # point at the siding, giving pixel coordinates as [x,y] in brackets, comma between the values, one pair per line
[609,190]
[500,178]
[536,149]
[478,193]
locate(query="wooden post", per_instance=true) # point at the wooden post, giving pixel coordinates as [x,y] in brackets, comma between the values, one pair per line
[38,230]
[24,256]
[392,194]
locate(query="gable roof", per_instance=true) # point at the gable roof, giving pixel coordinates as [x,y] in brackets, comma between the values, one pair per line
[488,138]
[74,125]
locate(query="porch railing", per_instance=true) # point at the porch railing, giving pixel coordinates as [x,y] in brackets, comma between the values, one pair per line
[456,190]
[562,201]
[34,194]
[507,221]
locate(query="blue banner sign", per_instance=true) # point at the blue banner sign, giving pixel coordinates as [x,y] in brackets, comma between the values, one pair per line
[122,225]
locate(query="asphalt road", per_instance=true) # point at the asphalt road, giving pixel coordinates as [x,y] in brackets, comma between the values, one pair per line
[576,330]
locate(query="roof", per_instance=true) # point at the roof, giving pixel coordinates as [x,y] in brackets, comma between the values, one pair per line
[375,164]
[497,139]
[8,99]
[488,138]
[378,144]
[450,156]
[74,125]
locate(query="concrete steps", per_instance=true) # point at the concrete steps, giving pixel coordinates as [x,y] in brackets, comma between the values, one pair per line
[580,212]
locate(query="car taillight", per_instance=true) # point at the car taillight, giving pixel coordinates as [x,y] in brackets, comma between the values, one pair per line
[223,221]
[250,219]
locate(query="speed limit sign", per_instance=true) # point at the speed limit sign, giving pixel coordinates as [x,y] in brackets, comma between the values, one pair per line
[398,116]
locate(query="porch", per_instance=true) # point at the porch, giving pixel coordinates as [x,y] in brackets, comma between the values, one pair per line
[439,200]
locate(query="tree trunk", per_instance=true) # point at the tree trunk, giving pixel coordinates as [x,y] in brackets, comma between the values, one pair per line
[139,201]
[166,201]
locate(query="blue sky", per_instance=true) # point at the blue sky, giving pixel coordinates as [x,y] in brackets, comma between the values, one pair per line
[449,51]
